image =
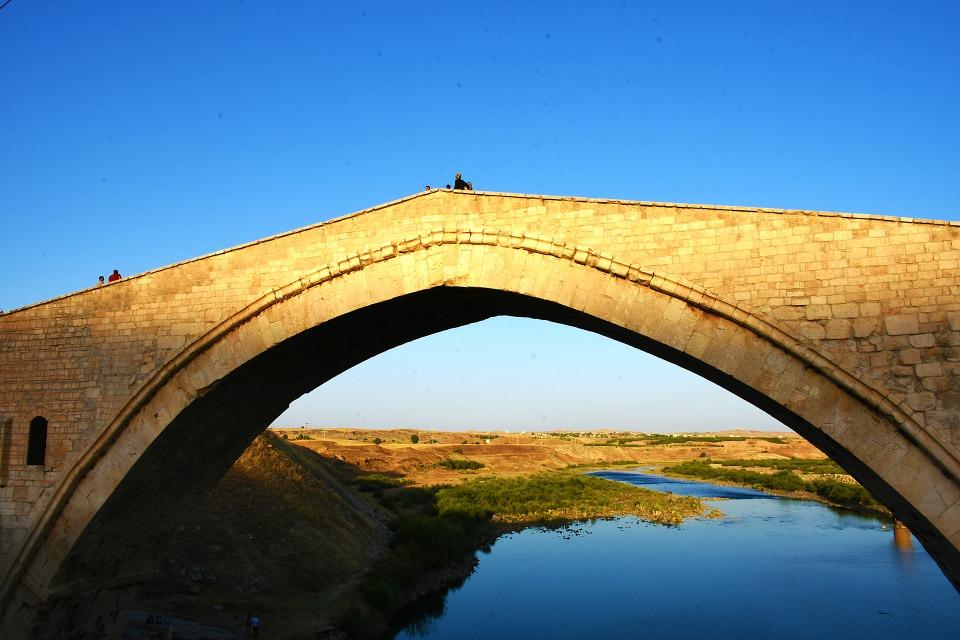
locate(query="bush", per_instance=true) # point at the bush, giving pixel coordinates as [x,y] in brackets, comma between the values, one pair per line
[460,465]
[843,493]
[377,441]
[414,438]
[357,624]
[803,466]
[378,482]
[558,496]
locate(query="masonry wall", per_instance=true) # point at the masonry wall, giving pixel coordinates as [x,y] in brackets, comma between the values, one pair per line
[878,296]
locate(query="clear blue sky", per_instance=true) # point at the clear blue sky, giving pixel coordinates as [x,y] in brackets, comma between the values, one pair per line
[136,134]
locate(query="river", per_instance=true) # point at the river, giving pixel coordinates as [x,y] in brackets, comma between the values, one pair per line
[772,568]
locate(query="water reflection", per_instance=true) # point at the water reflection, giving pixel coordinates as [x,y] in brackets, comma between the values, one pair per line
[681,487]
[772,568]
[902,538]
[419,618]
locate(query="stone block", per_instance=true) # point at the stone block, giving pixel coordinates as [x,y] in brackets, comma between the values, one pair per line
[863,327]
[937,384]
[950,400]
[953,318]
[910,356]
[818,312]
[923,340]
[901,324]
[928,369]
[943,420]
[922,400]
[788,313]
[869,309]
[838,329]
[881,359]
[812,330]
[846,310]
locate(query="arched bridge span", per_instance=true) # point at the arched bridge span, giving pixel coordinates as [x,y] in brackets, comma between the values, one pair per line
[844,327]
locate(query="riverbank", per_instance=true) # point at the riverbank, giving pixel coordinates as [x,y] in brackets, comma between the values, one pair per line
[438,530]
[780,478]
[314,527]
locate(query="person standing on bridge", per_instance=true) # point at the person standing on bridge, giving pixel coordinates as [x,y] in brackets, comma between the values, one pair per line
[460,183]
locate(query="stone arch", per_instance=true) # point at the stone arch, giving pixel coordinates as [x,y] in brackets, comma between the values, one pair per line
[131,485]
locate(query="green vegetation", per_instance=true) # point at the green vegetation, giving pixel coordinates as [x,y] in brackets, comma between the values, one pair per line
[414,438]
[460,464]
[549,497]
[378,482]
[377,441]
[803,466]
[835,491]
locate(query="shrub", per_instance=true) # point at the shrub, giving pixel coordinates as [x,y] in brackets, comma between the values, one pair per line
[357,624]
[460,465]
[843,493]
[414,438]
[378,482]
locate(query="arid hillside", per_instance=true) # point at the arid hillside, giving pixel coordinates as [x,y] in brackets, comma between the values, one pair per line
[511,453]
[282,535]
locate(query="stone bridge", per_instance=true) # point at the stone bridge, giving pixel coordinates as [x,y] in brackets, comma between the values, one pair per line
[121,405]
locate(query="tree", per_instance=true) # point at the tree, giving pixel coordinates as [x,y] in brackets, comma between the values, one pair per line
[414,438]
[377,441]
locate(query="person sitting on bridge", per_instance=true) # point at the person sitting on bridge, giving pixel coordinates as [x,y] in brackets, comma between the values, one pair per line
[460,183]
[114,276]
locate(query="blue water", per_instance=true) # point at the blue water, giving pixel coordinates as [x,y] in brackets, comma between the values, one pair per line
[772,568]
